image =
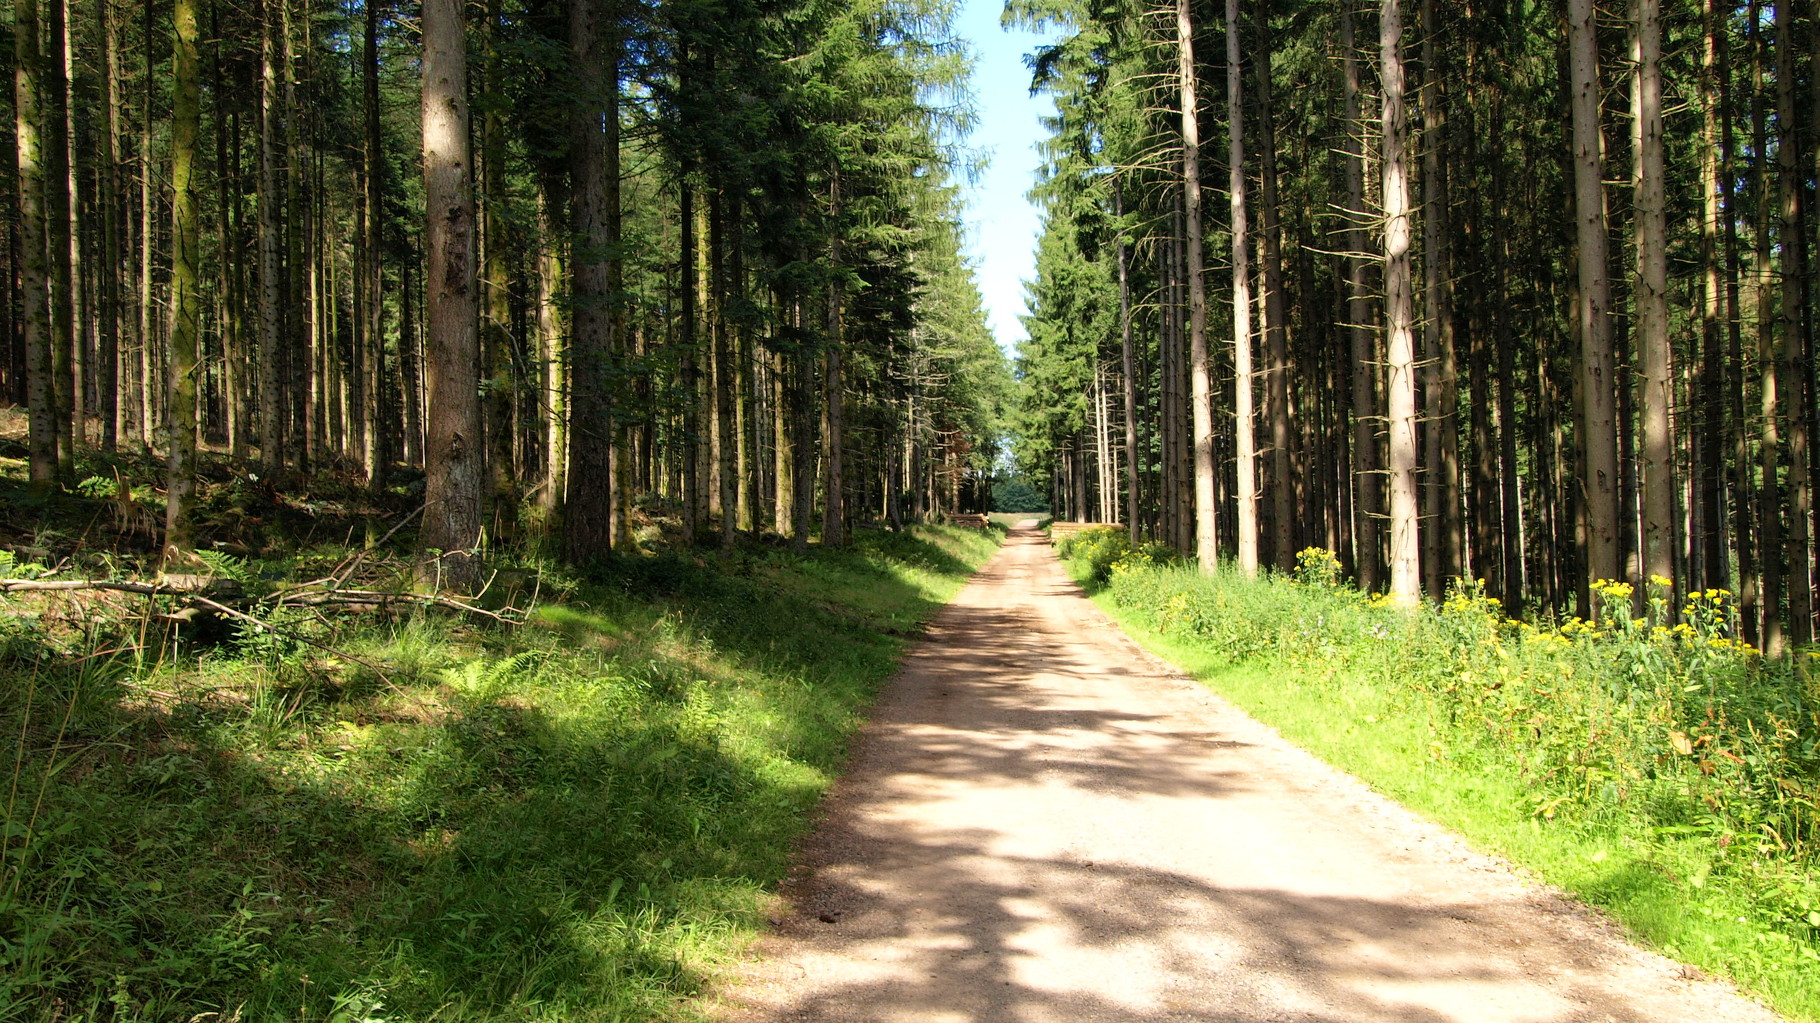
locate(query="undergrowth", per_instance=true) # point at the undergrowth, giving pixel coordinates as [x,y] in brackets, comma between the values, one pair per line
[1653,765]
[574,819]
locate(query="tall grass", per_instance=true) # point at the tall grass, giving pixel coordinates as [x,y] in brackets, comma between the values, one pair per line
[1652,764]
[575,820]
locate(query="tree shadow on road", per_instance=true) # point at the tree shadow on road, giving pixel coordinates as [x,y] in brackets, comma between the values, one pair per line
[1052,939]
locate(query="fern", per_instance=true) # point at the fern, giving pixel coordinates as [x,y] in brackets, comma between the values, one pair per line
[485,679]
[225,566]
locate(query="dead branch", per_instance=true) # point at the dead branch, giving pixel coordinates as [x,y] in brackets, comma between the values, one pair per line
[288,634]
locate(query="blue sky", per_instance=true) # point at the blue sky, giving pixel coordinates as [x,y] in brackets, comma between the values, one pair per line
[1002,223]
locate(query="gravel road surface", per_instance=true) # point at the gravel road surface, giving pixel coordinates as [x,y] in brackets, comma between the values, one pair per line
[1043,824]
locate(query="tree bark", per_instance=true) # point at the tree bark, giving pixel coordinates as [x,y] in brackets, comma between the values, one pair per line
[496,339]
[1651,251]
[1792,355]
[1244,421]
[1399,318]
[1767,602]
[1276,314]
[725,415]
[113,205]
[34,267]
[1594,314]
[59,204]
[1367,543]
[1709,547]
[834,397]
[272,428]
[1445,539]
[1744,504]
[1206,530]
[1128,374]
[588,516]
[552,354]
[693,512]
[186,290]
[371,367]
[454,460]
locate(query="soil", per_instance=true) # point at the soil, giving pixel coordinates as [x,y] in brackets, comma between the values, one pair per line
[1043,824]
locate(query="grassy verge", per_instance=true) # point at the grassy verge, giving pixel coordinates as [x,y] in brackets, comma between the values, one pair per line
[576,819]
[1665,778]
[1010,519]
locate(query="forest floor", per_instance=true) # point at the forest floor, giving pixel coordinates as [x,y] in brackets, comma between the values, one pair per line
[1043,824]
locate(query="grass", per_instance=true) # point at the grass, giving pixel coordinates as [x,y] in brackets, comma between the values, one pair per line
[1011,519]
[1669,780]
[577,819]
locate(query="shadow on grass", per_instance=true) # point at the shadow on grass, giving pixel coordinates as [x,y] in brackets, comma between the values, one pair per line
[536,840]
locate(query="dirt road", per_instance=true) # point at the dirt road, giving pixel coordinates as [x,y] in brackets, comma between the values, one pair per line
[1044,825]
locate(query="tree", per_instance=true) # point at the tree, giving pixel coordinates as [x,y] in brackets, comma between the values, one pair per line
[1244,417]
[1599,418]
[186,295]
[34,271]
[1206,530]
[1399,317]
[1651,250]
[454,454]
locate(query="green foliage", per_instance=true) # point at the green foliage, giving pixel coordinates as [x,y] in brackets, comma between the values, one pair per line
[1104,552]
[1664,769]
[1015,494]
[576,820]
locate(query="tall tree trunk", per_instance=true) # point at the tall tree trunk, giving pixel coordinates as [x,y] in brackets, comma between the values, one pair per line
[227,298]
[1709,548]
[34,269]
[1744,504]
[370,368]
[1399,318]
[693,512]
[619,341]
[299,256]
[551,354]
[802,436]
[589,514]
[81,367]
[1206,531]
[1444,556]
[834,391]
[1767,602]
[113,206]
[725,415]
[1791,173]
[1598,387]
[1276,313]
[186,290]
[271,261]
[1651,251]
[496,339]
[410,363]
[1128,371]
[1367,544]
[783,516]
[55,150]
[454,460]
[1244,421]
[747,370]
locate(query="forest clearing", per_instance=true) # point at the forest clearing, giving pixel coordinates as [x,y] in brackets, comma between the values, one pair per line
[468,467]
